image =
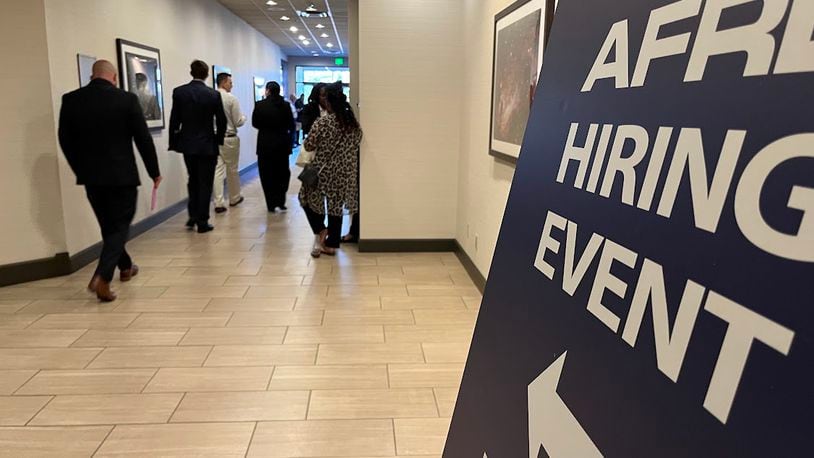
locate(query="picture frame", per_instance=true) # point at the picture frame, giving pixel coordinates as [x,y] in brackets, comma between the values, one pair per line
[259,85]
[520,36]
[84,64]
[218,69]
[140,73]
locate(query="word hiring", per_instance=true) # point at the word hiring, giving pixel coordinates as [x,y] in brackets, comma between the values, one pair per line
[793,55]
[744,325]
[708,198]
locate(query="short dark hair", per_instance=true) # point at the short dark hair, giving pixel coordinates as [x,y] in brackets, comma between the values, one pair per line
[141,78]
[273,87]
[222,77]
[199,69]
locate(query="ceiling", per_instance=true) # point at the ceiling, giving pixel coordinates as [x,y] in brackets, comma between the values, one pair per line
[267,18]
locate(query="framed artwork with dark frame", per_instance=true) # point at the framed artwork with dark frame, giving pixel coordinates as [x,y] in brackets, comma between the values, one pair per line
[520,36]
[140,74]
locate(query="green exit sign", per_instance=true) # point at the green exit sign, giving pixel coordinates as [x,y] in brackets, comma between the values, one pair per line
[339,61]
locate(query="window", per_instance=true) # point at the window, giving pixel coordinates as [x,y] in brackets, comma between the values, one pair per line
[308,77]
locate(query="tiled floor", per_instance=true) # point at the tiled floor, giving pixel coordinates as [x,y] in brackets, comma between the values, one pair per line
[237,343]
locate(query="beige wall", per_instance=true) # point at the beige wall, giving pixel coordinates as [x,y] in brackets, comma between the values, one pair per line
[32,226]
[409,76]
[183,30]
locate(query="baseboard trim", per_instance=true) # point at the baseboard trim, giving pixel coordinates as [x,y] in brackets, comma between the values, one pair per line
[471,268]
[406,245]
[65,264]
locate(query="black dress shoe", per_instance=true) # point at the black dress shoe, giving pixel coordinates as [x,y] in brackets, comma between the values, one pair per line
[283,208]
[239,201]
[190,224]
[204,228]
[220,209]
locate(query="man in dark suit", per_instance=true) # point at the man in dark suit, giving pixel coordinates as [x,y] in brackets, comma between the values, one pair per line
[97,126]
[197,129]
[274,121]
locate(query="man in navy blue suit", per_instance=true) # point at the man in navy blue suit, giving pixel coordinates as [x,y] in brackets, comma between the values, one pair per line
[197,129]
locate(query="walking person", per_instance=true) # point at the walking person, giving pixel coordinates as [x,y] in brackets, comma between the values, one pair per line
[274,121]
[196,108]
[98,125]
[335,139]
[229,157]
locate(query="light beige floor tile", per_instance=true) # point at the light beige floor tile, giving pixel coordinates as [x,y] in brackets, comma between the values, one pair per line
[234,336]
[334,334]
[437,269]
[146,357]
[261,355]
[409,260]
[200,440]
[442,291]
[455,352]
[339,303]
[184,280]
[286,291]
[129,338]
[274,304]
[107,409]
[336,354]
[416,303]
[13,306]
[265,280]
[10,381]
[367,317]
[199,291]
[368,270]
[245,406]
[354,290]
[8,321]
[198,262]
[428,333]
[162,305]
[425,436]
[425,375]
[36,338]
[61,442]
[30,293]
[463,318]
[446,397]
[371,404]
[463,279]
[473,303]
[270,269]
[17,410]
[132,292]
[105,381]
[177,380]
[296,318]
[328,377]
[85,321]
[181,320]
[228,271]
[415,279]
[342,278]
[46,358]
[337,438]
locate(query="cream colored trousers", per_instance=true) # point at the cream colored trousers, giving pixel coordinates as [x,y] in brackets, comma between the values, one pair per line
[228,161]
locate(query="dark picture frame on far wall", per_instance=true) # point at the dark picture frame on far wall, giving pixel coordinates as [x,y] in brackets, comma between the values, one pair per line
[140,74]
[520,36]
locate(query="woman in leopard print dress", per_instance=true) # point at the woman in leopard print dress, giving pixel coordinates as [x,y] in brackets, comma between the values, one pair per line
[335,140]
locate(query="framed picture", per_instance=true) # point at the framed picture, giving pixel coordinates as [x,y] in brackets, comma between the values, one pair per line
[259,88]
[216,69]
[140,73]
[521,33]
[85,65]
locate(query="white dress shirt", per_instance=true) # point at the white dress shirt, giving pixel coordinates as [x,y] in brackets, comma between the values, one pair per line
[234,117]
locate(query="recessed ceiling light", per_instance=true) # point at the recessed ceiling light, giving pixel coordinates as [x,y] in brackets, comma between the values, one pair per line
[271,3]
[285,18]
[294,29]
[320,26]
[311,8]
[324,35]
[306,42]
[301,37]
[330,45]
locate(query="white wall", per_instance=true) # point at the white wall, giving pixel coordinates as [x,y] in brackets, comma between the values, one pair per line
[31,225]
[409,76]
[183,30]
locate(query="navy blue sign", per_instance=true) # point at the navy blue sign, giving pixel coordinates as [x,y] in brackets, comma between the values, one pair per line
[652,291]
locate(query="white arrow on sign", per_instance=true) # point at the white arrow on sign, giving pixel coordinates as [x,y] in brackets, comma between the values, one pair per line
[551,423]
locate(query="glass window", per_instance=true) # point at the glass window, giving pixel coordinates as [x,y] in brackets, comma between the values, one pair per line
[308,77]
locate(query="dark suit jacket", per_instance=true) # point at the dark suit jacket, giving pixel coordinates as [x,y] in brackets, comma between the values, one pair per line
[97,126]
[274,121]
[197,121]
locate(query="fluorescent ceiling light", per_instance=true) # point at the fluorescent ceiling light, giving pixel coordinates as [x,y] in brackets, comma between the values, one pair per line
[324,35]
[306,42]
[330,45]
[311,8]
[294,29]
[301,37]
[320,26]
[271,3]
[285,18]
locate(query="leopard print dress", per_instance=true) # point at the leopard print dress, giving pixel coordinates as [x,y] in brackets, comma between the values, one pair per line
[336,156]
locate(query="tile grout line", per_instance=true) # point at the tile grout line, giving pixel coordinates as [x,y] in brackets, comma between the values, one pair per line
[27,423]
[149,381]
[251,439]
[26,382]
[98,447]
[169,419]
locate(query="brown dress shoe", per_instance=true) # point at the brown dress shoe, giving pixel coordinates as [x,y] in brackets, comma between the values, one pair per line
[102,289]
[127,275]
[94,283]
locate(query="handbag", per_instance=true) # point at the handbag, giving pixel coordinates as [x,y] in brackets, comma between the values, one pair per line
[305,157]
[310,175]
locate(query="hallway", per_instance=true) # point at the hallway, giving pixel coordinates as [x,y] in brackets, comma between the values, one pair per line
[237,343]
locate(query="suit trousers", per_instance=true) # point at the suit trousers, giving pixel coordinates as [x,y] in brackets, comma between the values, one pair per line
[228,162]
[275,177]
[201,170]
[115,207]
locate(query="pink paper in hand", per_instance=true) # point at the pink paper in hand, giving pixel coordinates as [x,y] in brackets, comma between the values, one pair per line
[153,200]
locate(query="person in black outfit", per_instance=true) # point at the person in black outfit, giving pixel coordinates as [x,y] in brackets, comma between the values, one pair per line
[274,121]
[97,127]
[195,108]
[311,111]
